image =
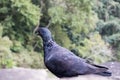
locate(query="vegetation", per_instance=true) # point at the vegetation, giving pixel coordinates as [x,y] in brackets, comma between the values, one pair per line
[109,23]
[90,29]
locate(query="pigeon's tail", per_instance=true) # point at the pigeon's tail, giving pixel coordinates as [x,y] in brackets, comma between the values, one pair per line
[107,73]
[102,71]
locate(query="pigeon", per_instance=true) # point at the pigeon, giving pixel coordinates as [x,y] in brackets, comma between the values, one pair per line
[64,63]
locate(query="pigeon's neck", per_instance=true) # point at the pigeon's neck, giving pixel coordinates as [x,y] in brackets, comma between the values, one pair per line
[47,42]
[48,46]
[46,39]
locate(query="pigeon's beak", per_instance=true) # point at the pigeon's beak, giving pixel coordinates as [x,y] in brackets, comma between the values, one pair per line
[36,31]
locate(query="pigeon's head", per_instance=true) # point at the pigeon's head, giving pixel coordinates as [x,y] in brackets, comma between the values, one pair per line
[44,33]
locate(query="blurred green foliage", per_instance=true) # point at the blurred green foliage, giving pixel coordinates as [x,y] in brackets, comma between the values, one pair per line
[17,21]
[6,59]
[109,24]
[96,49]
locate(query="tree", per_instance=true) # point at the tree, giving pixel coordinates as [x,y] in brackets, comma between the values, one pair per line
[109,25]
[19,18]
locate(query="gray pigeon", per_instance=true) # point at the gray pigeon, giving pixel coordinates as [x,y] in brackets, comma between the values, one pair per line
[62,62]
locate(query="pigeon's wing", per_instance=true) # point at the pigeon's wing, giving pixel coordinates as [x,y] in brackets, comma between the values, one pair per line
[64,63]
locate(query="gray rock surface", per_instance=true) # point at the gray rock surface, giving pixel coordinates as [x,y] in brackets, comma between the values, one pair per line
[22,74]
[114,67]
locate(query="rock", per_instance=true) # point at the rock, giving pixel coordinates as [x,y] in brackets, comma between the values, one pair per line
[22,74]
[114,67]
[88,77]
